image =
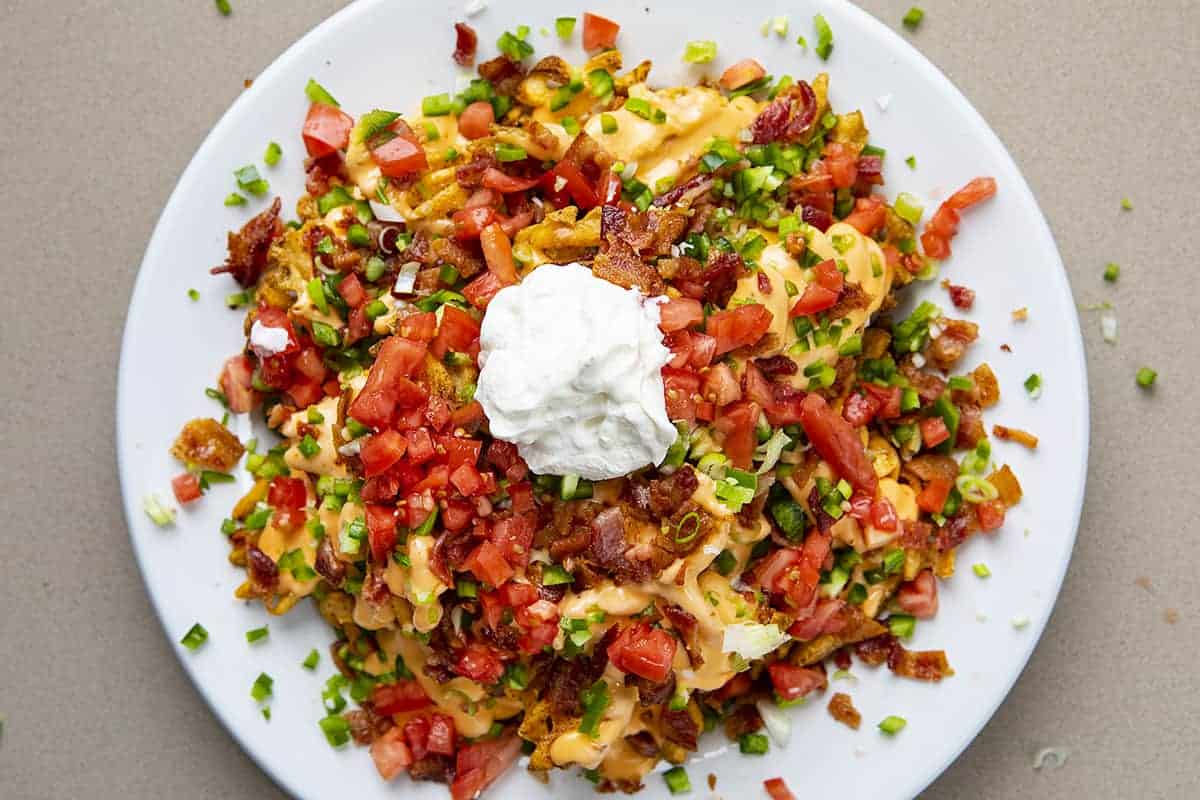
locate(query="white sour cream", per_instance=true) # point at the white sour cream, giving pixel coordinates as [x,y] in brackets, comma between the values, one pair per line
[570,374]
[267,341]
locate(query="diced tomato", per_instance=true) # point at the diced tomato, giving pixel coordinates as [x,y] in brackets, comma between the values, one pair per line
[919,596]
[418,505]
[887,399]
[381,531]
[860,507]
[720,387]
[326,130]
[990,515]
[390,754]
[186,487]
[420,446]
[736,686]
[438,477]
[681,387]
[933,497]
[610,188]
[704,348]
[437,413]
[521,495]
[460,451]
[456,332]
[748,70]
[643,651]
[816,298]
[868,216]
[778,789]
[828,276]
[352,291]
[457,514]
[859,409]
[416,733]
[883,515]
[237,383]
[467,480]
[683,312]
[400,157]
[842,162]
[470,222]
[792,682]
[738,327]
[823,618]
[933,432]
[599,33]
[737,422]
[837,443]
[286,492]
[387,385]
[398,697]
[577,185]
[476,120]
[480,291]
[481,763]
[944,224]
[513,537]
[538,638]
[488,564]
[443,738]
[480,663]
[309,364]
[680,345]
[506,184]
[381,451]
[468,417]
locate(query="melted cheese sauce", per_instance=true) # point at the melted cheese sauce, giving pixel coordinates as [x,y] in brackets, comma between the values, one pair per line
[417,583]
[695,114]
[579,748]
[326,461]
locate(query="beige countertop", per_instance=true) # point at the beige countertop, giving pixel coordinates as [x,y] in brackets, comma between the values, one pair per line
[106,101]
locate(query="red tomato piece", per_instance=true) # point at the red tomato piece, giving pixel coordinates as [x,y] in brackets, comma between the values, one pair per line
[488,564]
[398,697]
[737,422]
[738,327]
[420,327]
[467,480]
[777,789]
[859,409]
[470,222]
[720,387]
[919,596]
[468,417]
[978,190]
[460,451]
[683,312]
[237,384]
[837,443]
[883,515]
[480,291]
[842,162]
[868,216]
[643,651]
[704,348]
[513,537]
[681,387]
[476,120]
[521,495]
[390,754]
[828,276]
[381,531]
[400,157]
[387,385]
[506,184]
[186,487]
[457,515]
[416,733]
[381,451]
[944,224]
[287,492]
[443,737]
[457,331]
[481,763]
[309,364]
[420,446]
[933,432]
[887,399]
[990,515]
[480,663]
[816,298]
[352,291]
[578,186]
[748,70]
[538,638]
[933,497]
[438,477]
[599,33]
[326,130]
[792,682]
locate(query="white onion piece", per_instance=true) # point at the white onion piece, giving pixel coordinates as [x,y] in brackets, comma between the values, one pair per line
[1052,757]
[776,720]
[351,448]
[406,281]
[384,212]
[1108,327]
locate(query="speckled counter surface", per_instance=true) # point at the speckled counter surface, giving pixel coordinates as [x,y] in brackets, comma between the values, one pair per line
[105,102]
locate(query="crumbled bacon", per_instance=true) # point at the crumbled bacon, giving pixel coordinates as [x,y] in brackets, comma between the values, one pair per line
[776,366]
[961,296]
[470,175]
[465,42]
[788,117]
[687,192]
[744,719]
[328,565]
[841,708]
[248,247]
[679,727]
[263,570]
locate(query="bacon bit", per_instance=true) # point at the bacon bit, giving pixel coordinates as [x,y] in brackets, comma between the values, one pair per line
[788,117]
[247,83]
[1021,314]
[248,247]
[778,789]
[841,708]
[712,781]
[1006,348]
[465,44]
[764,283]
[1015,435]
[743,72]
[1144,582]
[1171,616]
[960,296]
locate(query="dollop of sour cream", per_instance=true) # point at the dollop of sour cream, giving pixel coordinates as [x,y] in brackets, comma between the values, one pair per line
[571,374]
[267,341]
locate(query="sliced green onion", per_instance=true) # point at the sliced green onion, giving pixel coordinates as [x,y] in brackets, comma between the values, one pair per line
[564,27]
[336,730]
[224,7]
[824,37]
[975,489]
[913,17]
[700,51]
[308,446]
[1033,385]
[318,94]
[426,527]
[1020,621]
[334,198]
[981,570]
[1126,204]
[725,563]
[375,309]
[316,293]
[196,636]
[893,561]
[516,676]
[892,725]
[310,661]
[600,84]
[911,161]
[273,154]
[515,47]
[570,125]
[554,575]
[909,208]
[234,199]
[753,744]
[325,335]
[466,588]
[608,123]
[262,687]
[357,235]
[193,295]
[677,780]
[437,105]
[159,513]
[1146,377]
[1112,272]
[902,625]
[510,152]
[595,699]
[642,108]
[258,634]
[852,346]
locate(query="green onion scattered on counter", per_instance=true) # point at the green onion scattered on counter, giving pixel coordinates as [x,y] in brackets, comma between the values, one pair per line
[196,636]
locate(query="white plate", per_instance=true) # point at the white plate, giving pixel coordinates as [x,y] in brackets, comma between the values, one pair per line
[384,54]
